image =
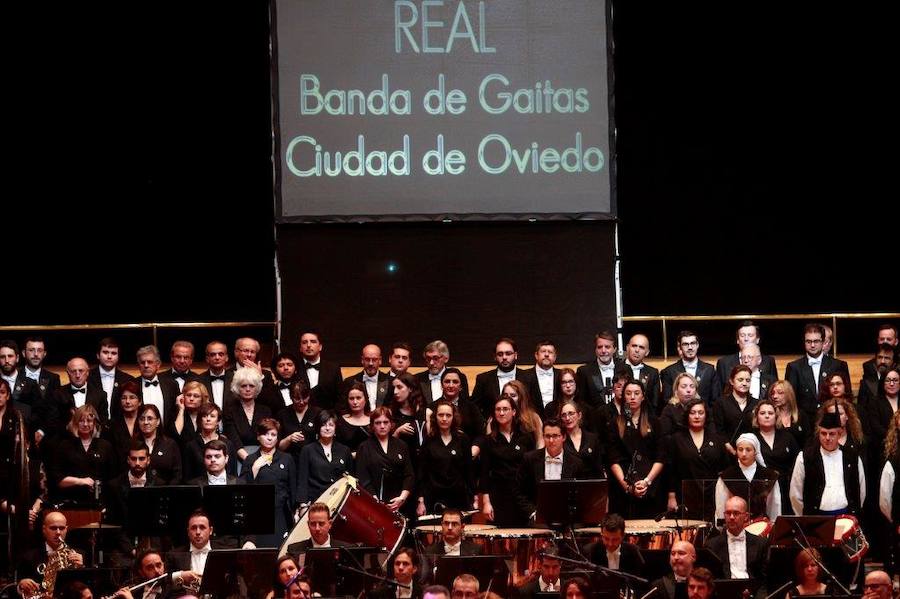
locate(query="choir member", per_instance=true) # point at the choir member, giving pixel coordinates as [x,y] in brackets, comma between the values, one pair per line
[384,464]
[787,415]
[323,461]
[585,444]
[354,424]
[751,480]
[446,468]
[298,421]
[267,465]
[209,417]
[684,391]
[123,426]
[185,427]
[410,414]
[165,458]
[734,413]
[779,447]
[82,461]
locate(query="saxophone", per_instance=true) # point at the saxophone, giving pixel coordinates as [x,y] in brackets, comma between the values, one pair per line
[56,561]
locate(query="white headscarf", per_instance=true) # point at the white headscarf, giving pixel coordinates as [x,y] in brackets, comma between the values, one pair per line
[752,440]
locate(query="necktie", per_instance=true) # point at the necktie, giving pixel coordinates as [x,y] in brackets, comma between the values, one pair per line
[151,383]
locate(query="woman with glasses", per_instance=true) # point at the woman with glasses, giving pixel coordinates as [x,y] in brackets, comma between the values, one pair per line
[882,409]
[165,457]
[579,441]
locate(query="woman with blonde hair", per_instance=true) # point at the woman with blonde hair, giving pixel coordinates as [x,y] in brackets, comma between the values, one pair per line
[82,460]
[193,395]
[788,415]
[674,417]
[529,421]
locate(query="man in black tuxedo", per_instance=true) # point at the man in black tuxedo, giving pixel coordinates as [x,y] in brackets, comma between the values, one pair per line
[318,520]
[887,334]
[548,580]
[377,383]
[399,361]
[760,382]
[436,355]
[542,381]
[78,393]
[682,556]
[323,378]
[549,463]
[807,373]
[246,354]
[747,334]
[181,356]
[161,392]
[215,460]
[636,351]
[34,354]
[24,390]
[594,380]
[871,380]
[53,534]
[489,384]
[149,564]
[187,563]
[107,375]
[217,376]
[137,475]
[451,542]
[612,551]
[405,569]
[709,388]
[743,555]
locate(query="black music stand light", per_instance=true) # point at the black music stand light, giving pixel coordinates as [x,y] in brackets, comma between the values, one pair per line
[162,511]
[819,530]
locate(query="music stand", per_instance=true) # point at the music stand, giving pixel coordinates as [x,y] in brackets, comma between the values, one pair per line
[238,573]
[819,530]
[235,509]
[562,503]
[490,570]
[734,588]
[161,511]
[329,569]
[99,580]
[709,560]
[699,499]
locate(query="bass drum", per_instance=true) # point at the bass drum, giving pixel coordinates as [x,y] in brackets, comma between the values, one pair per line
[356,517]
[759,526]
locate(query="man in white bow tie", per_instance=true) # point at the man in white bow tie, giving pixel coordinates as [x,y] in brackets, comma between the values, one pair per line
[808,372]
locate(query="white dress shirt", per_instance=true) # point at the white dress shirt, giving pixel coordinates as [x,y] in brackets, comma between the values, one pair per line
[452,549]
[137,482]
[754,383]
[108,381]
[886,490]
[691,367]
[545,382]
[737,554]
[79,398]
[816,365]
[312,374]
[371,383]
[218,390]
[435,380]
[547,587]
[153,395]
[612,559]
[505,377]
[217,479]
[834,497]
[553,467]
[198,557]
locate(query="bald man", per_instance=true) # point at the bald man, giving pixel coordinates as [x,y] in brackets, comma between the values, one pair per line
[760,382]
[674,586]
[636,350]
[878,585]
[52,413]
[377,383]
[743,555]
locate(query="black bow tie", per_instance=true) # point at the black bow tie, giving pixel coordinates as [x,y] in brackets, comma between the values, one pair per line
[74,390]
[149,383]
[309,365]
[220,377]
[284,385]
[182,375]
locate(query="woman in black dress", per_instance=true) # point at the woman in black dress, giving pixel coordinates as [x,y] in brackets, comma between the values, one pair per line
[779,448]
[209,415]
[410,414]
[697,453]
[502,451]
[674,415]
[353,427]
[471,420]
[124,424]
[581,442]
[298,421]
[268,466]
[733,414]
[787,415]
[165,457]
[243,416]
[384,465]
[82,460]
[446,469]
[185,426]
[636,457]
[323,461]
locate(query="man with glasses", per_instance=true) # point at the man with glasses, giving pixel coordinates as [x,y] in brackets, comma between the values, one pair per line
[595,379]
[759,381]
[488,384]
[868,385]
[878,585]
[436,355]
[747,334]
[708,385]
[543,381]
[743,555]
[549,463]
[807,373]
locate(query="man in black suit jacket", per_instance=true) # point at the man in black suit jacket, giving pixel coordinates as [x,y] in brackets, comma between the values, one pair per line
[78,393]
[594,380]
[323,378]
[181,356]
[887,334]
[318,521]
[873,371]
[682,556]
[436,355]
[736,542]
[542,381]
[187,563]
[760,382]
[548,579]
[53,533]
[149,564]
[453,529]
[549,463]
[636,351]
[34,354]
[813,369]
[107,375]
[215,460]
[162,392]
[24,390]
[217,377]
[747,334]
[625,557]
[377,383]
[489,384]
[116,496]
[708,386]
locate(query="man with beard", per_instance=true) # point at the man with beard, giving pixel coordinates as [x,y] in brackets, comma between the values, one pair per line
[708,386]
[436,355]
[488,384]
[24,390]
[594,380]
[543,380]
[875,368]
[34,354]
[377,383]
[805,374]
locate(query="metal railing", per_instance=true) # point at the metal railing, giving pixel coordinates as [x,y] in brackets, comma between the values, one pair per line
[833,316]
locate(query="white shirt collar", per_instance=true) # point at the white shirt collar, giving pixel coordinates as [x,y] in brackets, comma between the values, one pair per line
[205,549]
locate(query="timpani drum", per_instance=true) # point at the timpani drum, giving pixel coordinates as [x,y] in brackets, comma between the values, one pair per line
[650,534]
[429,533]
[521,544]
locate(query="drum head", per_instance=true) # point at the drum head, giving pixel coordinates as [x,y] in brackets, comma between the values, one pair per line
[844,526]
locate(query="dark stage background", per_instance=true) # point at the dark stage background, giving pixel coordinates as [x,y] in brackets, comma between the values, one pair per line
[749,167]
